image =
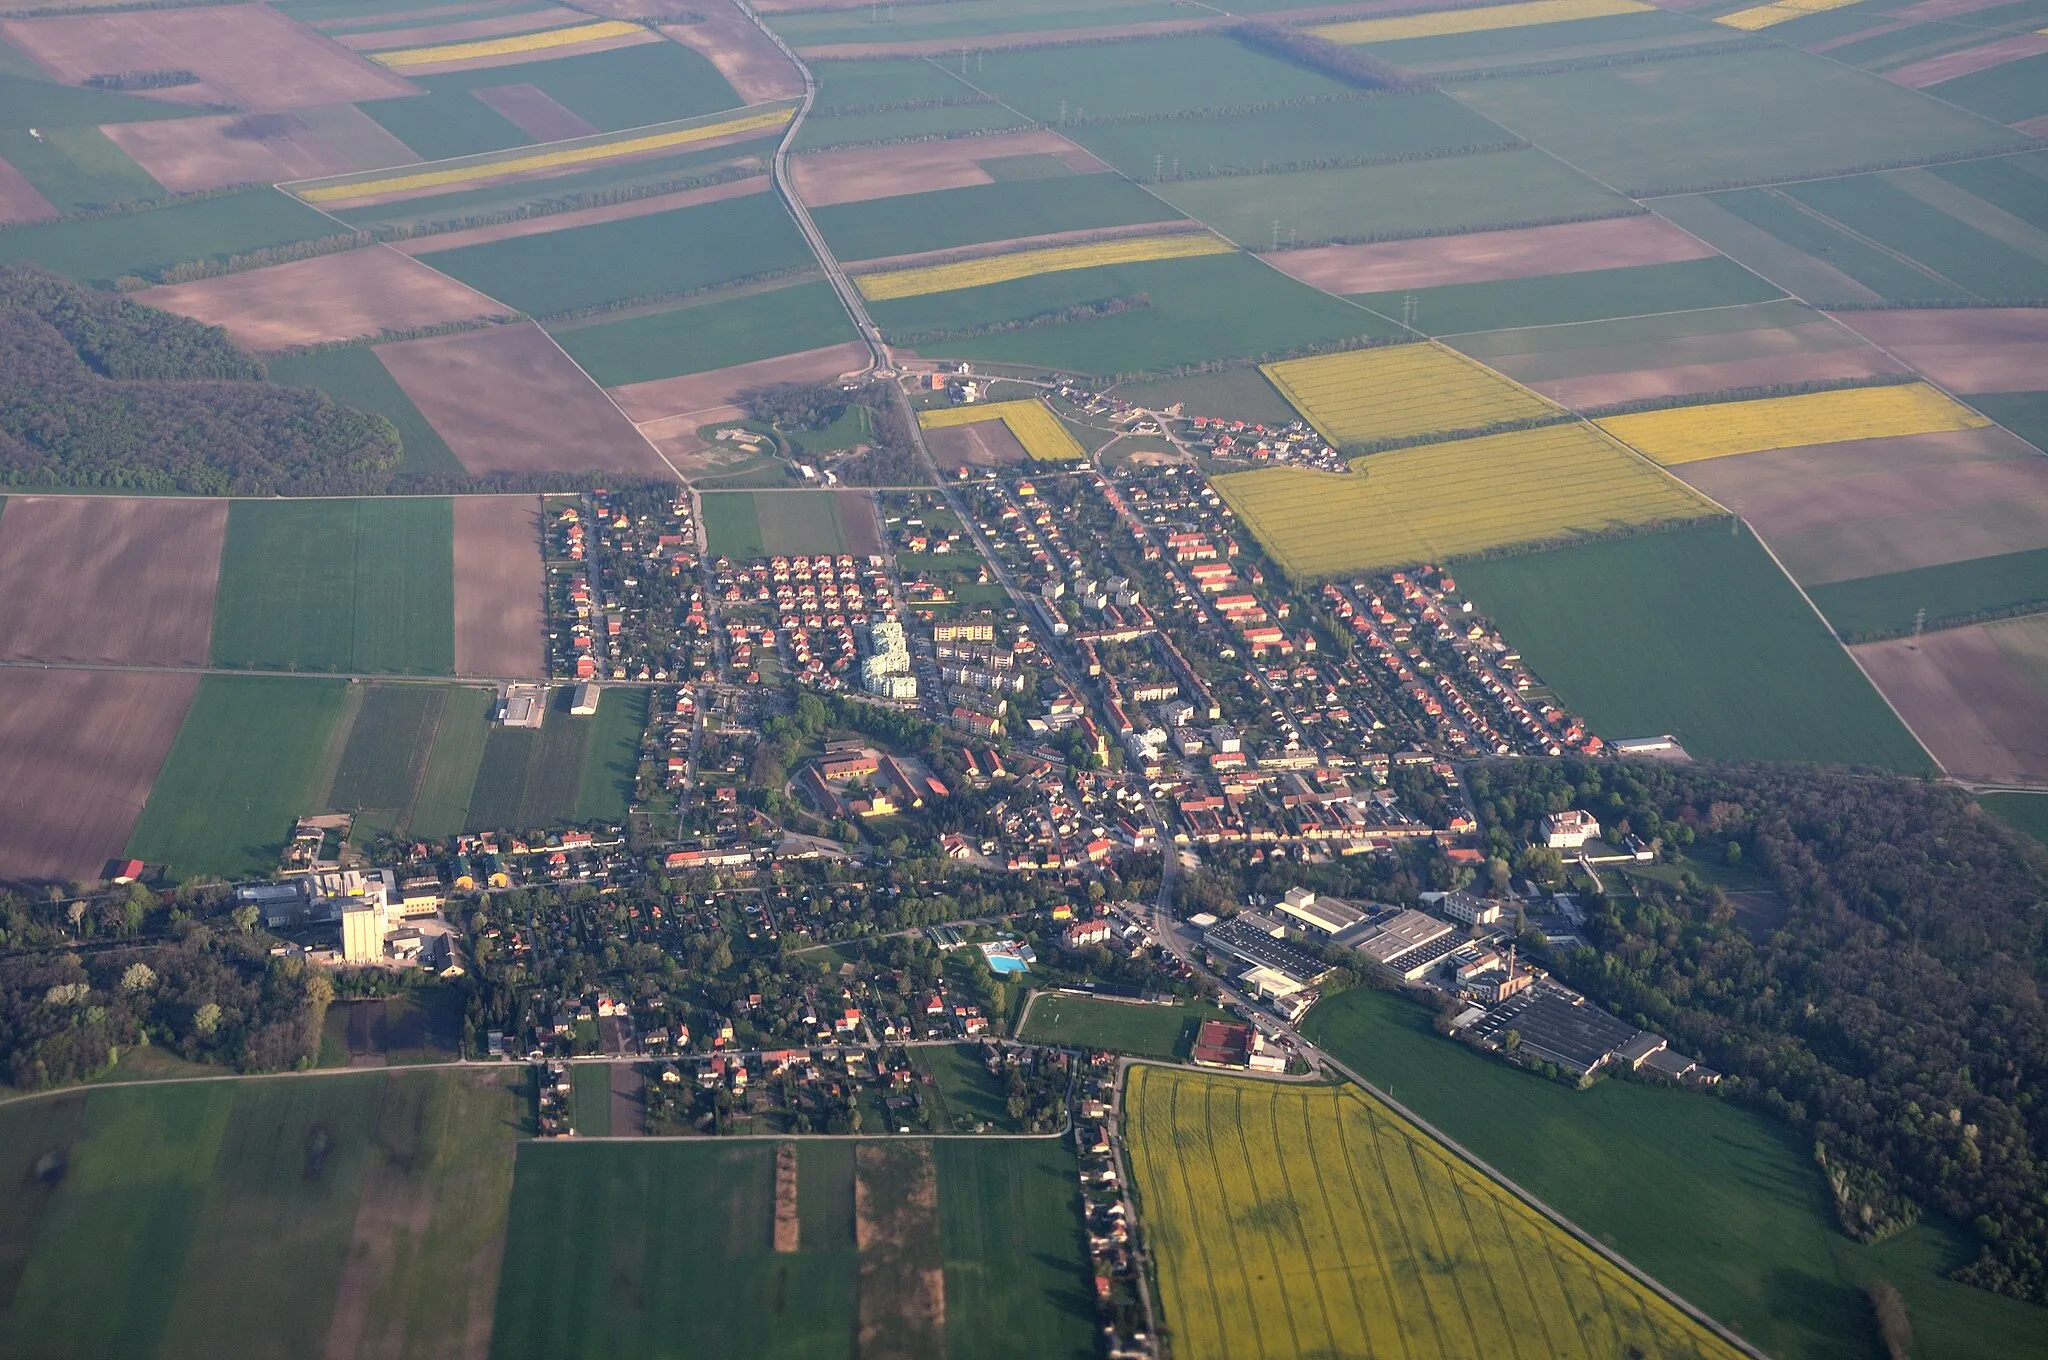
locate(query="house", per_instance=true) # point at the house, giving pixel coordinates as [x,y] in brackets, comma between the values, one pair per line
[128,870]
[1082,934]
[1569,830]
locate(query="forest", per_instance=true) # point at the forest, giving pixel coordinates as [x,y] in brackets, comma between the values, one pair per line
[1895,1016]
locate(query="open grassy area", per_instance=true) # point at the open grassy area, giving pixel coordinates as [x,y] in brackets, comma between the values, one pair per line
[1744,671]
[965,1096]
[2025,812]
[1164,75]
[1759,1249]
[613,756]
[1878,605]
[358,585]
[714,334]
[387,750]
[530,779]
[1593,295]
[593,1096]
[103,250]
[442,807]
[1009,1231]
[1121,1026]
[354,376]
[904,224]
[243,768]
[743,524]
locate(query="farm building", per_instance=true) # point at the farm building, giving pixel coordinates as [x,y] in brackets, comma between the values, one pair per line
[1222,1044]
[583,703]
[522,706]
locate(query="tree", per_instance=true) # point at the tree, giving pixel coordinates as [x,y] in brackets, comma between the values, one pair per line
[206,1019]
[1541,864]
[245,918]
[139,977]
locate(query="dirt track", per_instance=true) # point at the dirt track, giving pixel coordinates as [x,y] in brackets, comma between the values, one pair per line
[189,154]
[79,751]
[853,176]
[1484,256]
[582,217]
[21,201]
[498,586]
[109,579]
[1970,349]
[1968,699]
[666,398]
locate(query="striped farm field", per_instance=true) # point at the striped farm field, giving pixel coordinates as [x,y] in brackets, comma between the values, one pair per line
[563,156]
[1035,426]
[1401,391]
[1778,12]
[1444,500]
[1348,1232]
[1483,19]
[1024,264]
[512,46]
[1689,434]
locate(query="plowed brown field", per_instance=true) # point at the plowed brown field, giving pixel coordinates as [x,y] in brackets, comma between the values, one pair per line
[826,177]
[1485,256]
[1975,696]
[21,201]
[498,586]
[665,398]
[109,579]
[1971,349]
[188,154]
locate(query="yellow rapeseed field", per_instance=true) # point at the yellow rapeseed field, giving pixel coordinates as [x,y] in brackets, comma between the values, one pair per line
[1763,16]
[501,47]
[418,181]
[1023,264]
[1439,500]
[1480,20]
[1688,434]
[1295,1221]
[1400,391]
[1034,424]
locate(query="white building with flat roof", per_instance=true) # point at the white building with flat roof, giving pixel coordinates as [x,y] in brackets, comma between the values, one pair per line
[1570,829]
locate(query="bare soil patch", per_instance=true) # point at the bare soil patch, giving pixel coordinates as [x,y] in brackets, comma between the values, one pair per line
[1485,256]
[688,452]
[188,154]
[356,294]
[1602,389]
[986,443]
[508,400]
[498,588]
[853,176]
[788,1227]
[79,751]
[21,201]
[460,30]
[995,42]
[582,49]
[1920,74]
[534,112]
[109,579]
[582,217]
[857,520]
[247,56]
[706,394]
[629,1104]
[748,59]
[896,1226]
[1967,699]
[1987,349]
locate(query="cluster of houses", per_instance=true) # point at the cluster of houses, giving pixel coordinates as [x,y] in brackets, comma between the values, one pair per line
[623,599]
[855,780]
[814,607]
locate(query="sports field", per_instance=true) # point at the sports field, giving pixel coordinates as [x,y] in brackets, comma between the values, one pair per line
[1120,1026]
[1687,434]
[1447,500]
[1348,1232]
[1401,391]
[1032,422]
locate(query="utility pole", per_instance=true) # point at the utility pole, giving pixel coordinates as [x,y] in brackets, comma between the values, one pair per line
[1919,625]
[1410,305]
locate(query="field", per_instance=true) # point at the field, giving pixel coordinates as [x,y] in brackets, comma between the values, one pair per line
[716,333]
[1761,1251]
[103,250]
[897,125]
[420,1026]
[823,179]
[79,751]
[1977,696]
[78,169]
[1688,434]
[609,764]
[109,580]
[2026,813]
[498,587]
[441,808]
[244,767]
[1957,242]
[1480,19]
[1349,1232]
[1166,1032]
[185,155]
[447,56]
[675,408]
[749,524]
[353,376]
[340,585]
[1238,393]
[1400,392]
[1877,606]
[385,1197]
[1490,256]
[1560,299]
[985,270]
[1032,422]
[1178,75]
[1972,351]
[906,224]
[385,754]
[1746,671]
[531,779]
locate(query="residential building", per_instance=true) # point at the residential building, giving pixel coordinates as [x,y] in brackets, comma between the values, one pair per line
[1569,830]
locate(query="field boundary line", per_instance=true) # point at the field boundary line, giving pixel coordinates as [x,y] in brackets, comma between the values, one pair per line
[1632,316]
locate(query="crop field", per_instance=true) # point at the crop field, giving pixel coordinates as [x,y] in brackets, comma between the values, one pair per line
[530,779]
[2026,813]
[1483,18]
[442,54]
[1032,422]
[1745,671]
[613,757]
[78,168]
[1779,11]
[1560,299]
[1951,592]
[243,768]
[1401,391]
[386,753]
[1644,32]
[339,585]
[748,524]
[103,250]
[1977,696]
[1069,85]
[441,807]
[2010,93]
[905,224]
[1166,1032]
[1446,500]
[1389,202]
[1351,1233]
[710,335]
[1761,1253]
[846,86]
[1992,356]
[1023,264]
[1922,219]
[1686,434]
[354,377]
[897,125]
[1236,393]
[847,26]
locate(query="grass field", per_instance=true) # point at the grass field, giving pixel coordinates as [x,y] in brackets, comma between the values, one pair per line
[442,807]
[1882,272]
[593,1087]
[103,250]
[744,525]
[1951,592]
[1446,500]
[613,757]
[2024,812]
[242,770]
[1745,671]
[1688,434]
[386,752]
[1591,295]
[341,585]
[1348,1232]
[635,257]
[713,334]
[1388,202]
[1014,265]
[905,224]
[1009,1233]
[421,1025]
[1032,422]
[1893,212]
[2024,413]
[964,1095]
[355,377]
[2009,93]
[530,779]
[904,125]
[1166,75]
[1239,393]
[1144,1031]
[78,168]
[1401,391]
[1760,1250]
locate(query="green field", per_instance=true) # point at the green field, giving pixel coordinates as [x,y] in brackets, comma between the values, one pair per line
[2010,93]
[1212,307]
[30,100]
[102,250]
[1954,592]
[1385,202]
[442,806]
[2024,812]
[1145,1031]
[905,224]
[1624,633]
[904,125]
[354,376]
[144,1247]
[593,1096]
[848,85]
[2024,413]
[1564,40]
[421,1025]
[744,525]
[1883,273]
[2013,184]
[386,752]
[1010,1235]
[1773,113]
[1237,393]
[78,168]
[963,1094]
[338,585]
[1164,75]
[1627,1161]
[613,757]
[969,19]
[243,768]
[1879,208]
[635,257]
[1594,295]
[713,334]
[531,779]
